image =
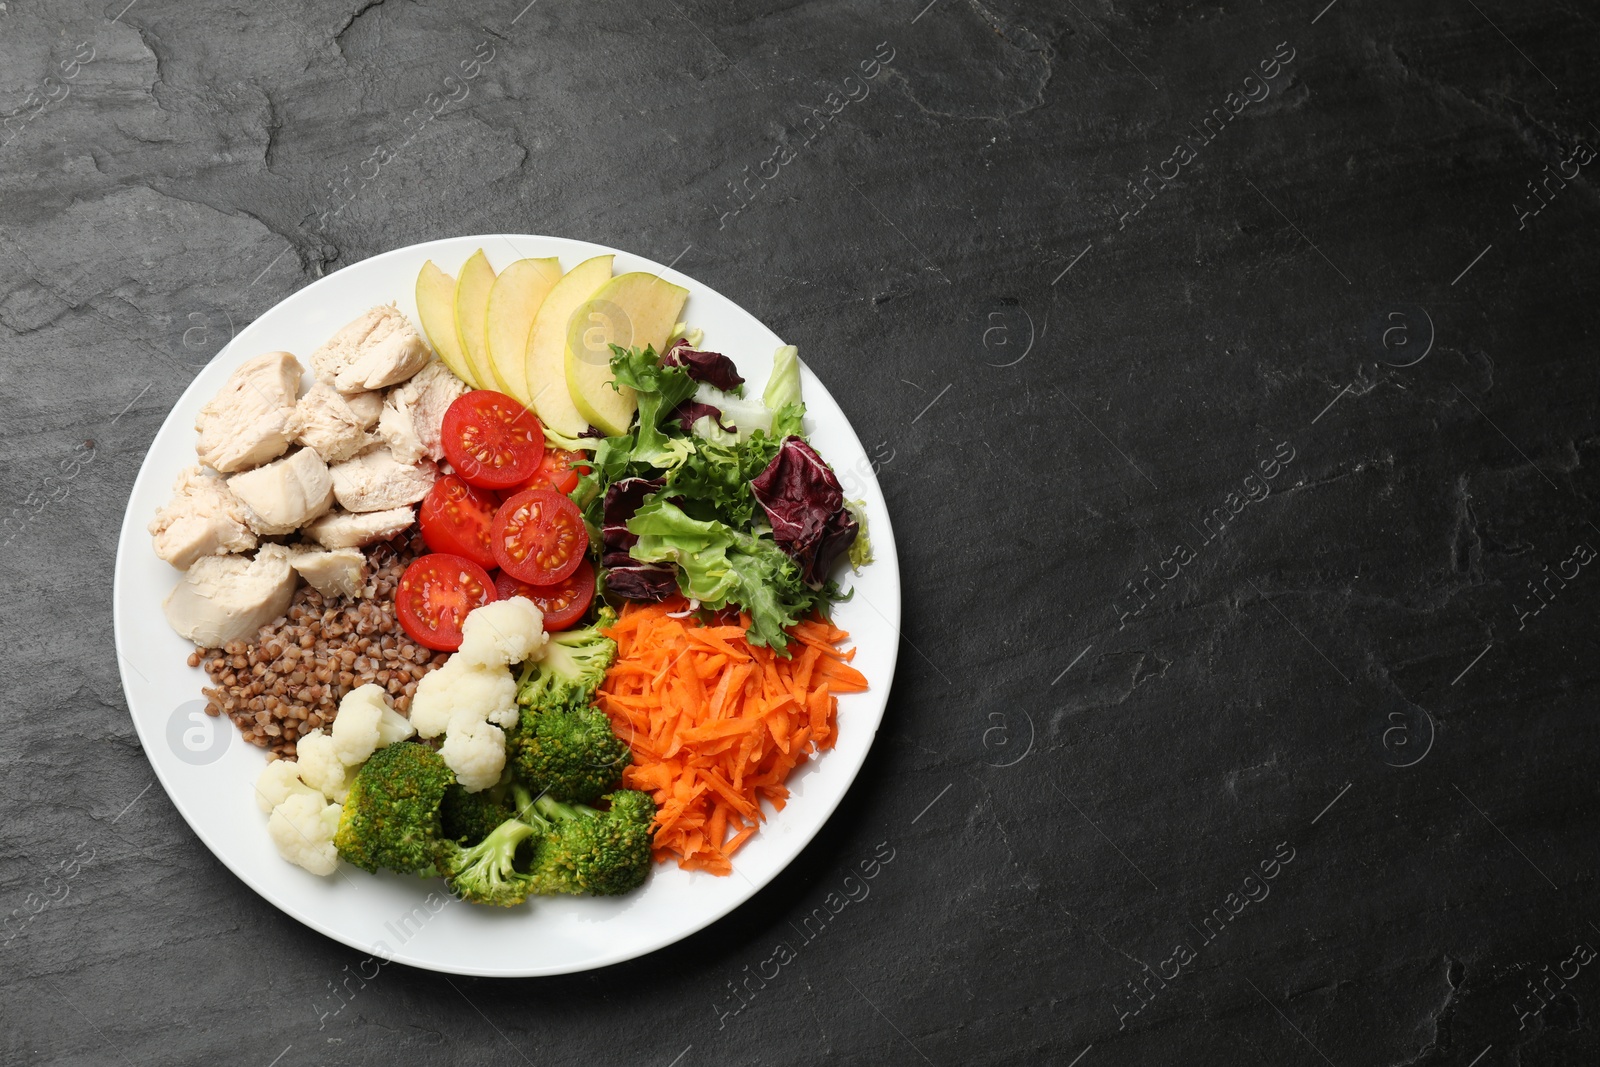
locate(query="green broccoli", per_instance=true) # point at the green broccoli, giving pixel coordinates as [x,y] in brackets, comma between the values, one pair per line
[486,873]
[468,818]
[571,668]
[391,817]
[584,851]
[569,753]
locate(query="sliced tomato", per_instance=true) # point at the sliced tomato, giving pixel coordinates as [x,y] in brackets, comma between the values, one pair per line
[559,471]
[457,518]
[491,440]
[539,536]
[435,594]
[563,603]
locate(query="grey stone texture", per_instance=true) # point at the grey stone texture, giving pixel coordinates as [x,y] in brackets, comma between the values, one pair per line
[1230,368]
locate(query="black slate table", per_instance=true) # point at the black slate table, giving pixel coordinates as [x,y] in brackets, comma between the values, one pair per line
[1230,372]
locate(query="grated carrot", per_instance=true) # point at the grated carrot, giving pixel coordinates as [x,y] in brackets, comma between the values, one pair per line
[717,724]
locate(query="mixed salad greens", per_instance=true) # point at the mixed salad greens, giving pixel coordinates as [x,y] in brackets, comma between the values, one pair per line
[717,496]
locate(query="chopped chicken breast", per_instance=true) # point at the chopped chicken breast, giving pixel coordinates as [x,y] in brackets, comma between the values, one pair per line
[376,481]
[399,432]
[325,421]
[203,518]
[378,349]
[367,407]
[413,416]
[332,572]
[229,598]
[285,494]
[243,425]
[340,529]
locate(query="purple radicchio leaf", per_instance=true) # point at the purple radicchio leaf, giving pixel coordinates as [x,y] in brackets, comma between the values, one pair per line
[711,367]
[805,504]
[622,500]
[642,581]
[690,412]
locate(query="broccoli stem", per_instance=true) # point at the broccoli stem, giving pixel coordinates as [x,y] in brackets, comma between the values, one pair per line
[551,808]
[523,803]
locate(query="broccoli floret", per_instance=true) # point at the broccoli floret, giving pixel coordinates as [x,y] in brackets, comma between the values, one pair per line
[470,817]
[568,753]
[571,668]
[584,851]
[486,873]
[391,817]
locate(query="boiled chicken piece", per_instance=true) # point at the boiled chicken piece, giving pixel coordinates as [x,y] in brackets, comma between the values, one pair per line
[376,481]
[378,349]
[366,407]
[243,425]
[413,416]
[399,432]
[203,518]
[285,494]
[229,598]
[325,421]
[332,572]
[340,529]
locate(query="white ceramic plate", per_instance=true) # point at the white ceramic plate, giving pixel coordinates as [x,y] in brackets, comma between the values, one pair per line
[208,770]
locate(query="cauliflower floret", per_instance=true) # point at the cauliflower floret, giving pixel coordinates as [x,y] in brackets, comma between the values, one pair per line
[320,765]
[279,781]
[303,827]
[366,723]
[503,633]
[475,750]
[462,688]
[505,717]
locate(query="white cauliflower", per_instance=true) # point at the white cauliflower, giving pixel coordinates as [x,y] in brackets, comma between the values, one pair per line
[474,695]
[366,723]
[475,750]
[502,633]
[302,827]
[279,781]
[320,765]
[459,688]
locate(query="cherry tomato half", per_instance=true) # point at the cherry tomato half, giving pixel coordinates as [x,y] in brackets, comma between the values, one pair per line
[491,440]
[559,471]
[539,536]
[434,596]
[563,603]
[457,517]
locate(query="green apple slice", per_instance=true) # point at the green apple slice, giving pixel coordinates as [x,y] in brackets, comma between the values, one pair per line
[514,299]
[436,307]
[632,310]
[472,310]
[547,345]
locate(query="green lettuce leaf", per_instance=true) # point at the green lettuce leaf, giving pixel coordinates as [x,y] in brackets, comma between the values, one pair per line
[861,547]
[719,565]
[782,395]
[714,482]
[659,389]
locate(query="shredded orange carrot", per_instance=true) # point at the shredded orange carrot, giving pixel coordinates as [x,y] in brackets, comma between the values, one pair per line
[718,724]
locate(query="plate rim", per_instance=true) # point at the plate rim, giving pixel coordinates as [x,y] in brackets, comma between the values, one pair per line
[130,532]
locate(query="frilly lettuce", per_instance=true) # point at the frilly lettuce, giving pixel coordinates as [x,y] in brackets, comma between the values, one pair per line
[719,565]
[782,395]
